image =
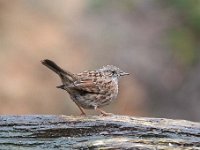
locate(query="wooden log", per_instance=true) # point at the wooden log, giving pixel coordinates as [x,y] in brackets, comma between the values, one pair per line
[95,132]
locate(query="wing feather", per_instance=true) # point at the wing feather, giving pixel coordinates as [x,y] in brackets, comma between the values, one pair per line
[90,82]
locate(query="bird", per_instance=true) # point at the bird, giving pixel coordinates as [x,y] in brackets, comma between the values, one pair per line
[91,89]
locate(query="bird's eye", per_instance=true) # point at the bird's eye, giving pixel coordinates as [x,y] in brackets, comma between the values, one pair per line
[113,72]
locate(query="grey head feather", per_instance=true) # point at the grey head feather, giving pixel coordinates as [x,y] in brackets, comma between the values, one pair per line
[113,71]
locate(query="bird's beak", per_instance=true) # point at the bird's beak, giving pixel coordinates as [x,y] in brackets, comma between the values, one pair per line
[123,73]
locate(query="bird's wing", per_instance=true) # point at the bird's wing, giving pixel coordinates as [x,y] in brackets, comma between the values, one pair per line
[93,83]
[87,85]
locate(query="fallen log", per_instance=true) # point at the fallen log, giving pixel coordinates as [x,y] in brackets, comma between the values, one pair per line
[95,132]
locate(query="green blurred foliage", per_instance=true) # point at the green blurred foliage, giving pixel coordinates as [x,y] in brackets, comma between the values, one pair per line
[184,46]
[189,10]
[184,37]
[122,5]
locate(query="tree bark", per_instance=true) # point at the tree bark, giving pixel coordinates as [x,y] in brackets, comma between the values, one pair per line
[95,132]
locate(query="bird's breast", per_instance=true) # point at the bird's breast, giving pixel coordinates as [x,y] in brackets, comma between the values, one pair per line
[113,88]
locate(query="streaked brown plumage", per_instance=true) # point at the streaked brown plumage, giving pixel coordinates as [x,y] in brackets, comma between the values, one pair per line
[89,89]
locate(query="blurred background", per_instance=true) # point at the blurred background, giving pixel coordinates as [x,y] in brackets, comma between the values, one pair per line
[156,41]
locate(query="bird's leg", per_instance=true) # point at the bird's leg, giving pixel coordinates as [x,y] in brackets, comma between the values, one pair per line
[103,113]
[81,109]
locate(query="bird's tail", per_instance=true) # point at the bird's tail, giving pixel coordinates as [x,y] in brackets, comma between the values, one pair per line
[66,76]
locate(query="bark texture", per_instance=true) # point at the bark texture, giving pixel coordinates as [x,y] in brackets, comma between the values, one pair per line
[95,132]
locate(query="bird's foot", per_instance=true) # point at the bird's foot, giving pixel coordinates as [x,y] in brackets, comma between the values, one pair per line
[103,113]
[83,114]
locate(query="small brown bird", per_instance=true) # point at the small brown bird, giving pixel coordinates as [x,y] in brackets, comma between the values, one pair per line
[89,89]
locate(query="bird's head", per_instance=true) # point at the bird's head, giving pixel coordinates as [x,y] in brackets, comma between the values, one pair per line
[113,71]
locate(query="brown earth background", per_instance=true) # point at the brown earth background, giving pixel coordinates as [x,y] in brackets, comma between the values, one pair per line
[156,41]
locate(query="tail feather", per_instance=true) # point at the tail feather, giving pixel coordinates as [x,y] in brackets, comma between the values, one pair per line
[65,76]
[53,66]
